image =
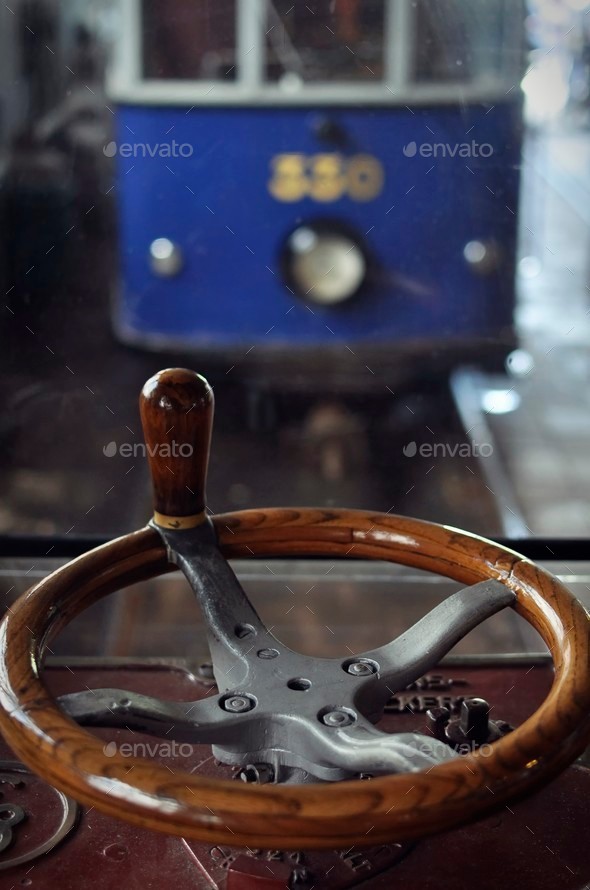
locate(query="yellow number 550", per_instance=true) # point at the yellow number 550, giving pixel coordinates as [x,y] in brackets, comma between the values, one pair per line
[325,177]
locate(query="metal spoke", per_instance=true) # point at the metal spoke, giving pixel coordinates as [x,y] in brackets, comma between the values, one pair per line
[363,748]
[416,651]
[234,628]
[201,722]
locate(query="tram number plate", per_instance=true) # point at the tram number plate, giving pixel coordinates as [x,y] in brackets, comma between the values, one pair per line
[325,177]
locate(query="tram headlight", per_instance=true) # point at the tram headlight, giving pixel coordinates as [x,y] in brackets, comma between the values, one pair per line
[484,257]
[166,259]
[324,265]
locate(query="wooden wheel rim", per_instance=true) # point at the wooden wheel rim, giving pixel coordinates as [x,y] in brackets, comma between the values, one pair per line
[396,807]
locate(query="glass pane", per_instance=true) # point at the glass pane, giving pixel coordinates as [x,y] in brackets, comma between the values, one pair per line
[462,40]
[325,40]
[183,40]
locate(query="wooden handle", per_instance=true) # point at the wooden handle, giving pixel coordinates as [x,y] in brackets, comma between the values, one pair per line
[176,408]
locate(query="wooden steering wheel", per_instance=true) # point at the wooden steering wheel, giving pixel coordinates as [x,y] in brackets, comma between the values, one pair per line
[308,716]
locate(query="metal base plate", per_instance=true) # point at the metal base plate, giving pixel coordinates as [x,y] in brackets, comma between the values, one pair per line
[531,844]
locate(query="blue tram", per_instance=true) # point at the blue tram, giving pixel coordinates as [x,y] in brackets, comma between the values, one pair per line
[298,178]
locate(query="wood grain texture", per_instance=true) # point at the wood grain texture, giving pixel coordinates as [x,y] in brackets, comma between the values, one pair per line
[311,816]
[176,407]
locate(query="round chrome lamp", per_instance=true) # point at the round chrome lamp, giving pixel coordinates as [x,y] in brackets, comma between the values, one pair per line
[324,264]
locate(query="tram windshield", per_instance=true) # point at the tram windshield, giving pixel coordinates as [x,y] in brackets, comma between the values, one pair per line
[330,40]
[189,41]
[462,40]
[268,44]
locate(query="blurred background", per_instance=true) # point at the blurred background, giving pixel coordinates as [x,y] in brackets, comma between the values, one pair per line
[368,224]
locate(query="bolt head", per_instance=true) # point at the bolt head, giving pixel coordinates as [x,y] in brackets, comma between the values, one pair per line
[237,704]
[361,668]
[256,773]
[338,718]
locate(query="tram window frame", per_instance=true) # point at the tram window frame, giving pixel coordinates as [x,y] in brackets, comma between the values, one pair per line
[399,86]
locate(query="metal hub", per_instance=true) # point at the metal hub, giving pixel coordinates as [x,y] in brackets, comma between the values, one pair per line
[282,716]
